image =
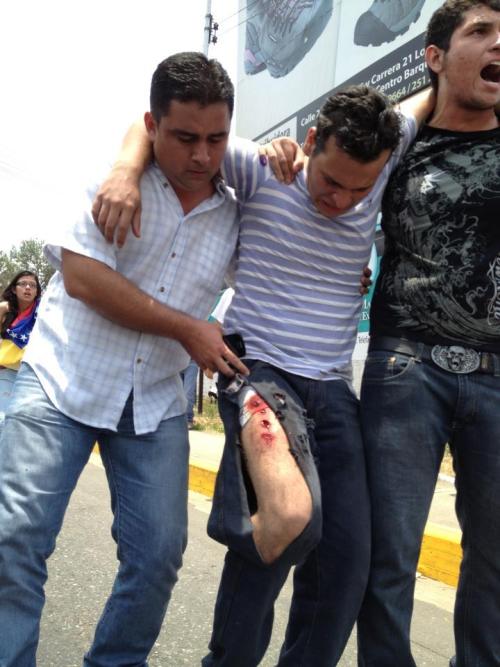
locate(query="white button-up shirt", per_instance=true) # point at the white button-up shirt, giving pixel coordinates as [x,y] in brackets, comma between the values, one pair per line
[87,364]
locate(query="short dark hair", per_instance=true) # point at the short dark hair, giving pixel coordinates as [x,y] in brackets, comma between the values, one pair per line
[189,77]
[362,120]
[9,295]
[446,20]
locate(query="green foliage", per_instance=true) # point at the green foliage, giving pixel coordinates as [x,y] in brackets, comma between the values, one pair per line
[28,256]
[209,419]
[7,270]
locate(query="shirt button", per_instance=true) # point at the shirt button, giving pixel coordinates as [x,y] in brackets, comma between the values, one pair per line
[139,360]
[162,289]
[173,254]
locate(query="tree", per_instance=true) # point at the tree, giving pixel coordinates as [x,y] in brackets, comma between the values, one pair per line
[7,270]
[27,257]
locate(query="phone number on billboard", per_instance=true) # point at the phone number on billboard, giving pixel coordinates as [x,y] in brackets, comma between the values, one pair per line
[407,89]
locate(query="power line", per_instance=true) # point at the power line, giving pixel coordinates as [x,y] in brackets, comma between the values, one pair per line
[249,18]
[250,4]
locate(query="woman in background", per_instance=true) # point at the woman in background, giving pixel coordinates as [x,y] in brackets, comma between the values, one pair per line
[18,308]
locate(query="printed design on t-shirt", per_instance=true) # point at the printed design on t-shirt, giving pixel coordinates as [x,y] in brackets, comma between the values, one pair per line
[494,304]
[442,270]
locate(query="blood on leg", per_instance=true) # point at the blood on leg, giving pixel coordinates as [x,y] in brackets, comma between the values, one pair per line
[284,503]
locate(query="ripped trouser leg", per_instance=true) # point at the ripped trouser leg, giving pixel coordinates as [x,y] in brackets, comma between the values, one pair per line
[284,502]
[267,501]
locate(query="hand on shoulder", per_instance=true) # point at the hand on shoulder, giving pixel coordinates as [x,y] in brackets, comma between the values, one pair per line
[285,156]
[117,206]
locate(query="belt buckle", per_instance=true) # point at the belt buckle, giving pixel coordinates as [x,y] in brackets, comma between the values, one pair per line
[455,358]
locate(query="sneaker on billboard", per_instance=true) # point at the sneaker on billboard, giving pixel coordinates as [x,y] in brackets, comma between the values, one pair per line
[385,20]
[253,59]
[290,29]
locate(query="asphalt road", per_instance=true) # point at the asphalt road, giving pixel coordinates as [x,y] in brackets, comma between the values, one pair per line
[82,569]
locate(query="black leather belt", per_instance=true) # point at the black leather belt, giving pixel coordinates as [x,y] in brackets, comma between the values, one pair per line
[451,358]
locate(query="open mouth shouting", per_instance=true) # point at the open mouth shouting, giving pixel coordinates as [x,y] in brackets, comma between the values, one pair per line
[491,72]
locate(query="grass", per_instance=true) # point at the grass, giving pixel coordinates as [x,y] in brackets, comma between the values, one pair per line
[209,419]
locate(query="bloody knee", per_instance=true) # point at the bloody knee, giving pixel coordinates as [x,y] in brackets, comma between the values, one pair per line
[262,422]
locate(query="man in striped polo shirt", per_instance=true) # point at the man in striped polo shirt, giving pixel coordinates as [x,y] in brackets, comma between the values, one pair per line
[302,249]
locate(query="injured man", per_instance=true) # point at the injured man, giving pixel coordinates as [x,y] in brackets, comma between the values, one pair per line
[292,489]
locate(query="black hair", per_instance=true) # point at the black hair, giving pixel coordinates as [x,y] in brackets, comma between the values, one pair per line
[362,120]
[9,295]
[189,77]
[446,20]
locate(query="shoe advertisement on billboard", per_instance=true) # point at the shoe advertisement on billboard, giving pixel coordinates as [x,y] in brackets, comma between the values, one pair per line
[285,57]
[294,53]
[279,35]
[385,44]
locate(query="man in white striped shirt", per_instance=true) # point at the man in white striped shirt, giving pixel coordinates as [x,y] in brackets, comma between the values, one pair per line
[301,251]
[115,327]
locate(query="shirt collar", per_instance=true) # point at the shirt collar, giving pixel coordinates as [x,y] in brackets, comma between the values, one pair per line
[220,186]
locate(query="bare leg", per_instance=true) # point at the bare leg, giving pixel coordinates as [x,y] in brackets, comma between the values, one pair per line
[283,498]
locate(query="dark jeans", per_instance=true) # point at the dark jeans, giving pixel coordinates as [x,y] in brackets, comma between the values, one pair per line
[329,583]
[410,409]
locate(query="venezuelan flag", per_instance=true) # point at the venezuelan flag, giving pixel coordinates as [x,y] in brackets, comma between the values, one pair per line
[17,337]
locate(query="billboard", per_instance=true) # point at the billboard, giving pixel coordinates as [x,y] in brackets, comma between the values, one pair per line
[293,53]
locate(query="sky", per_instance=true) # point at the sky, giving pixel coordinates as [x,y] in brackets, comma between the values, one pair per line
[73,76]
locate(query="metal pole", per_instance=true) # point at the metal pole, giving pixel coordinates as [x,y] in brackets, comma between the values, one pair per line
[208,27]
[207,38]
[201,379]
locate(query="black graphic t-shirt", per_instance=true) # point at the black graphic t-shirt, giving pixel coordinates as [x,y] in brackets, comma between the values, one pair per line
[440,274]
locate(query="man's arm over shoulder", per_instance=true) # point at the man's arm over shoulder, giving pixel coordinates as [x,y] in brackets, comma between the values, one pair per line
[114,297]
[117,205]
[414,111]
[419,106]
[243,169]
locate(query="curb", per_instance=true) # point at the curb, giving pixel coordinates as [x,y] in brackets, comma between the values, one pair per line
[202,477]
[440,555]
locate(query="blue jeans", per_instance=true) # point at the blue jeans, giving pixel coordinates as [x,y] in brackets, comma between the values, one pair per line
[329,583]
[410,409]
[189,378]
[7,379]
[42,454]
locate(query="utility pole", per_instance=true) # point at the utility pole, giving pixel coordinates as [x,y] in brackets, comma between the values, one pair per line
[209,37]
[211,27]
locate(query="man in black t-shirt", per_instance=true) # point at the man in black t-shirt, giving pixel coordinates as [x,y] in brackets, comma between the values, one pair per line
[432,374]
